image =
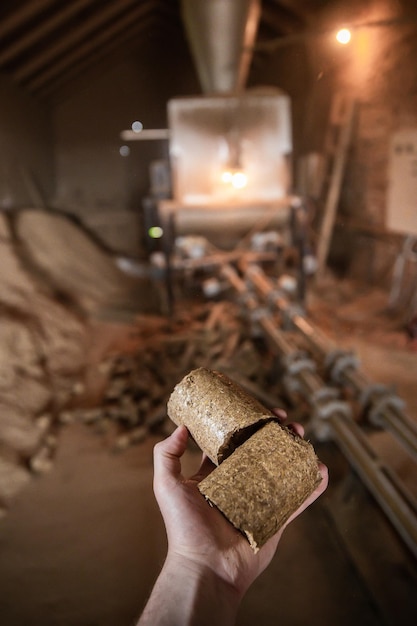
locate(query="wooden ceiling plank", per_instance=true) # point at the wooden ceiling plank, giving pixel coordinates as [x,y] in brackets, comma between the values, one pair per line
[21,15]
[281,20]
[82,32]
[48,25]
[300,9]
[84,50]
[58,83]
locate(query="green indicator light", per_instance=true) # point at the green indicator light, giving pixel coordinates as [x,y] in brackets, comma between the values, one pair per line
[155,232]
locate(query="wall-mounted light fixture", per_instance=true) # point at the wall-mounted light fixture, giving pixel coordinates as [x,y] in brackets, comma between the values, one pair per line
[343,36]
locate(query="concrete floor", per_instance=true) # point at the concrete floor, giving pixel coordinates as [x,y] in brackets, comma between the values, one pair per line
[83,544]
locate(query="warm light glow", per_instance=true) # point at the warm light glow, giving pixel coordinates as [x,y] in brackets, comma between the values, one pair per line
[235,178]
[155,232]
[227,177]
[239,180]
[343,36]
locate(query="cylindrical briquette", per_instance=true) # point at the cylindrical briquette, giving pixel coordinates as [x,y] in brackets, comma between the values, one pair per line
[218,413]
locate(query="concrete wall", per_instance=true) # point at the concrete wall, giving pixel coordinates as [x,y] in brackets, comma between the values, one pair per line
[26,156]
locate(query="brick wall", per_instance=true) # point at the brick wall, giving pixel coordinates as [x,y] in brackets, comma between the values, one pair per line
[378,68]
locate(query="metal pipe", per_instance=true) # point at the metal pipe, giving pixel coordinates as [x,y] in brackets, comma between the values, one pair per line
[316,339]
[221,35]
[389,415]
[281,343]
[398,504]
[298,366]
[403,429]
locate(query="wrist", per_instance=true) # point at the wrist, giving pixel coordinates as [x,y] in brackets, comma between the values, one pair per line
[188,593]
[212,599]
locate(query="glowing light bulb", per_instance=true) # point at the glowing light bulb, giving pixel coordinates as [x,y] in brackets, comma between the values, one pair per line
[239,180]
[343,36]
[227,177]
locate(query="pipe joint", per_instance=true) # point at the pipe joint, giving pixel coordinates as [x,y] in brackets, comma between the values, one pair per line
[326,406]
[387,402]
[337,362]
[295,365]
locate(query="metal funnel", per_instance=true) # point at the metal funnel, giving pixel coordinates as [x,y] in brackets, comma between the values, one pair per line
[220,34]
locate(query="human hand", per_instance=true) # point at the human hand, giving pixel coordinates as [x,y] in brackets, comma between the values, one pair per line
[199,536]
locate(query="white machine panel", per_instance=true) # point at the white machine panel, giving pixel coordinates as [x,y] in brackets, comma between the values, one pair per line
[402,187]
[215,138]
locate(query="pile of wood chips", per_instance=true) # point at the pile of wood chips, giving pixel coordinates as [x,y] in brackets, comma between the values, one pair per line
[138,385]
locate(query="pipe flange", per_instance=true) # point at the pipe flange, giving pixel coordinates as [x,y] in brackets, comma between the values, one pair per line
[338,361]
[324,394]
[298,362]
[295,364]
[375,390]
[331,408]
[382,404]
[326,404]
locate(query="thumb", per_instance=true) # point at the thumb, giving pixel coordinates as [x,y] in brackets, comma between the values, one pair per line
[167,455]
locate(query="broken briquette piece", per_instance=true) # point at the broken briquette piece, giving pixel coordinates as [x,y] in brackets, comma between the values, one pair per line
[263,482]
[218,413]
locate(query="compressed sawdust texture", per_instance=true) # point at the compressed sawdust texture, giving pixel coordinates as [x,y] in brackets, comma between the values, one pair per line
[263,482]
[218,413]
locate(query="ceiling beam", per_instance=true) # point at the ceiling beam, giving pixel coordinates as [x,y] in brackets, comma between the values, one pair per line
[281,20]
[99,20]
[121,33]
[21,15]
[47,26]
[102,39]
[300,9]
